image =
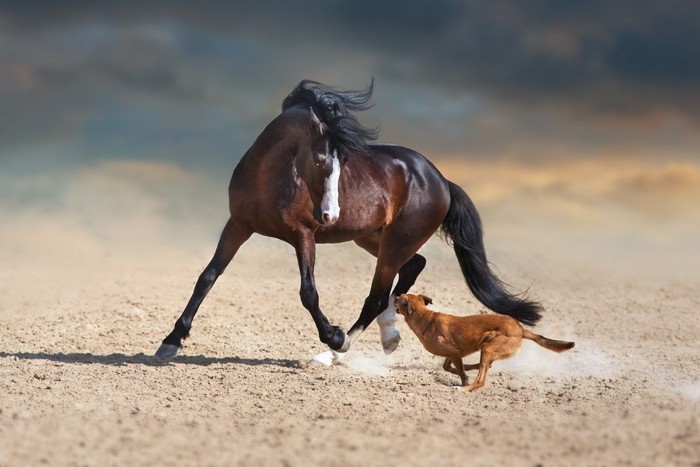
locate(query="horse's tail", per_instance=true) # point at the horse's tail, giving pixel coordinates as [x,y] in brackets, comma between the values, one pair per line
[463,226]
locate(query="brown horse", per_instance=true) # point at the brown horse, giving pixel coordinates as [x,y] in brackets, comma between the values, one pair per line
[313,177]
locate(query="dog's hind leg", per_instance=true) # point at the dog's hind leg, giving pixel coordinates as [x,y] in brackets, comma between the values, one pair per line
[496,348]
[484,365]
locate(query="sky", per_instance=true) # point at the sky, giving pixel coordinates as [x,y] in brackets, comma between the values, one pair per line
[581,114]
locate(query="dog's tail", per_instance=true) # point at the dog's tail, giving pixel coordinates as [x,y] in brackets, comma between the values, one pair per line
[463,226]
[551,344]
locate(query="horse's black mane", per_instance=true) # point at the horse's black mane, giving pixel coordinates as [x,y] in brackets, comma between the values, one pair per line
[333,107]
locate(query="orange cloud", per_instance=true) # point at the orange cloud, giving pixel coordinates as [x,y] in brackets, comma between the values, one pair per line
[665,191]
[638,216]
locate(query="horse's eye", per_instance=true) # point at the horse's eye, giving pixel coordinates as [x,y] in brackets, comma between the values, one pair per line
[320,161]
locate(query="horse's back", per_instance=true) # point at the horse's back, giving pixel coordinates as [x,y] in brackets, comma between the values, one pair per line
[421,196]
[423,183]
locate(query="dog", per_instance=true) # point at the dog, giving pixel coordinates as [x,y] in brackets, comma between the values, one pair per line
[453,337]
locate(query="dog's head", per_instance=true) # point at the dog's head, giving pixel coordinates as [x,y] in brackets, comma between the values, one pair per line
[407,303]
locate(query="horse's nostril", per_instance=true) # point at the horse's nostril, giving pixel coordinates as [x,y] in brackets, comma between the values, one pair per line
[326,217]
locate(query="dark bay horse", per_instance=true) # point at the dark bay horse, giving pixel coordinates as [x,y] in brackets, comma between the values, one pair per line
[312,176]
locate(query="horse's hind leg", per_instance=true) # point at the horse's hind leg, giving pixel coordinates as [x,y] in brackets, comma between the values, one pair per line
[387,318]
[232,237]
[397,251]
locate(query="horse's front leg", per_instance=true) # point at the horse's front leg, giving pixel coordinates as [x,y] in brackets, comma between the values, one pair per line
[232,237]
[332,336]
[396,255]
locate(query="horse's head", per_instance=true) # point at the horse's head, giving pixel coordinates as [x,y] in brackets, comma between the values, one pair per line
[330,133]
[318,165]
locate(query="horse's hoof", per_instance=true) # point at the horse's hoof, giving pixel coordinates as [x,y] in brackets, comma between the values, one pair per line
[391,344]
[327,358]
[167,351]
[340,341]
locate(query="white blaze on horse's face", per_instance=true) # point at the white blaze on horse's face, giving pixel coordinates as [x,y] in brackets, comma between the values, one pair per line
[330,207]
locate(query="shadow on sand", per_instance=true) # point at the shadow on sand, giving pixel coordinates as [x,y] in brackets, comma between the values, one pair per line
[117,359]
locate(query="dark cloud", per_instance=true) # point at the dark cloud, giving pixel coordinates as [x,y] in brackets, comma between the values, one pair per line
[168,79]
[667,57]
[543,47]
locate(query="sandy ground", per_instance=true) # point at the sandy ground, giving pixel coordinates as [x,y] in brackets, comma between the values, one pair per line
[79,384]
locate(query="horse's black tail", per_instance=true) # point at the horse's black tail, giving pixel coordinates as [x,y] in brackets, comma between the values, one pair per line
[463,226]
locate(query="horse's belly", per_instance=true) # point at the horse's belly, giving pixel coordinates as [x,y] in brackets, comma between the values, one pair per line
[339,235]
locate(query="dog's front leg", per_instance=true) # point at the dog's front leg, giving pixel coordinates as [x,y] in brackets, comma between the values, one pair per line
[458,368]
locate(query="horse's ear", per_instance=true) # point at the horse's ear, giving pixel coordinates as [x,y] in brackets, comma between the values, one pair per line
[316,124]
[427,300]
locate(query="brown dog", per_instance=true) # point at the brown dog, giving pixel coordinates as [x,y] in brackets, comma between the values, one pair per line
[453,337]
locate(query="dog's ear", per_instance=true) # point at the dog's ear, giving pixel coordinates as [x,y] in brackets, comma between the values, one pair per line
[427,300]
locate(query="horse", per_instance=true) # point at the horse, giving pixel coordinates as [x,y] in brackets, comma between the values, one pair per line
[315,175]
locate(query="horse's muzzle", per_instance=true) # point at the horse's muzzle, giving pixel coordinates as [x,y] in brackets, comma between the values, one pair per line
[328,218]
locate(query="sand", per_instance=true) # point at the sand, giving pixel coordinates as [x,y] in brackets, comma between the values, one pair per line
[79,384]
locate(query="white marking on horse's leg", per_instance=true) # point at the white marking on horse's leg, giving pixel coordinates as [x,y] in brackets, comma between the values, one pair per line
[347,342]
[326,358]
[386,321]
[355,334]
[330,207]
